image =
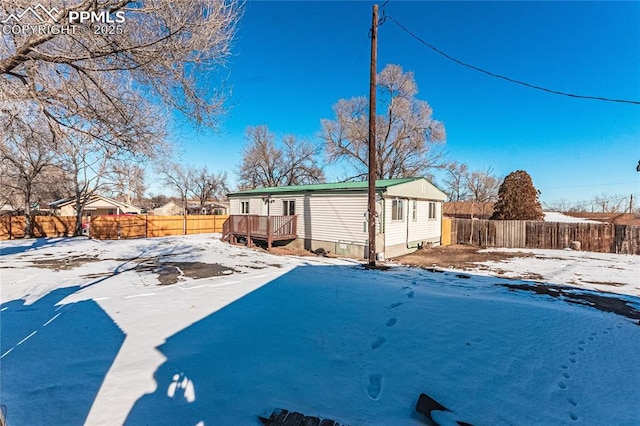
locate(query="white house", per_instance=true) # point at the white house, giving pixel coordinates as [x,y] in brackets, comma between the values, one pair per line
[333,216]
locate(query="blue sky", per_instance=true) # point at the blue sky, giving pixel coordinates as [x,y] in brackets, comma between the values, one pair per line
[294,59]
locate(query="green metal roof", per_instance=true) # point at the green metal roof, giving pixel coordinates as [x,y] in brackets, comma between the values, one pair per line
[342,186]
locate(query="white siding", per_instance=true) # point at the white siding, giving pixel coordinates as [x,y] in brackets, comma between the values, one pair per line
[434,226]
[256,205]
[324,217]
[421,189]
[334,218]
[234,205]
[401,232]
[395,231]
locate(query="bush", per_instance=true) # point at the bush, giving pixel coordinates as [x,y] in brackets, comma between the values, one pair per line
[518,199]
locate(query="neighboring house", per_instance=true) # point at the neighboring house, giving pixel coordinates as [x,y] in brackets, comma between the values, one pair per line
[468,210]
[7,208]
[210,207]
[334,216]
[173,208]
[169,209]
[96,206]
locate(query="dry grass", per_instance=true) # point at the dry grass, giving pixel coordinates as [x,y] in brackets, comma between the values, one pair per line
[456,256]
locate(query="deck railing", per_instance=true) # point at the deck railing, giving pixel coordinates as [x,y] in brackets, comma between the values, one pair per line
[254,227]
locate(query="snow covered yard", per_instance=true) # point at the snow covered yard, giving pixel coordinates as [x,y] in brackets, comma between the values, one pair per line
[89,336]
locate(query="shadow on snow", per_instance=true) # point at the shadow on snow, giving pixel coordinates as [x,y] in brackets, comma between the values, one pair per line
[54,358]
[310,342]
[31,244]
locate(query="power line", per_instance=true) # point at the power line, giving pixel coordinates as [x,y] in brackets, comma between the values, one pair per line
[492,74]
[591,185]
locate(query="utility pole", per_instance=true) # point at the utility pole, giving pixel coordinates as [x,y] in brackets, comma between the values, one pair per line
[372,138]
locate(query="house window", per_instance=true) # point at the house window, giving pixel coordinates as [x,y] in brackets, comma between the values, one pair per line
[288,207]
[397,210]
[432,210]
[414,210]
[244,207]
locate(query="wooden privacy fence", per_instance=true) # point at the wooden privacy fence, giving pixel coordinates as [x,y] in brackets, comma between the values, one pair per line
[114,227]
[596,237]
[43,226]
[447,234]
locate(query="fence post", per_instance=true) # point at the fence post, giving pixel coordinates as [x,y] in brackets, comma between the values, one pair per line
[249,222]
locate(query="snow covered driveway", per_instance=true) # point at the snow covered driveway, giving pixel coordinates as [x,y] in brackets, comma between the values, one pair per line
[89,336]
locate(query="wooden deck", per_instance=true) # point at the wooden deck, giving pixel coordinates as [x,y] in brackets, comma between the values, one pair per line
[261,228]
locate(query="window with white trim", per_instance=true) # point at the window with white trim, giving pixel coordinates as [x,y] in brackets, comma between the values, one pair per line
[244,207]
[397,210]
[288,207]
[432,210]
[414,210]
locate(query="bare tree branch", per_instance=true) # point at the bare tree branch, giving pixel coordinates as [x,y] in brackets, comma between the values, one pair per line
[266,165]
[408,139]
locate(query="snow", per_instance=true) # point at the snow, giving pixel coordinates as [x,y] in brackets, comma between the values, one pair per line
[560,217]
[101,342]
[607,272]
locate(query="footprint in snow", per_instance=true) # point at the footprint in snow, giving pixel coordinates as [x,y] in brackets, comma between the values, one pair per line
[411,294]
[376,344]
[375,386]
[391,322]
[395,305]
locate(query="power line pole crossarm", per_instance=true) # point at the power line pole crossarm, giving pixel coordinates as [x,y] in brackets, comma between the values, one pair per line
[372,139]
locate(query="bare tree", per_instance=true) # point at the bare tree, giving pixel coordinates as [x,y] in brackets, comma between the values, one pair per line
[79,79]
[127,180]
[54,183]
[409,142]
[178,179]
[207,185]
[482,187]
[454,181]
[610,203]
[83,82]
[89,162]
[154,201]
[264,164]
[560,205]
[25,152]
